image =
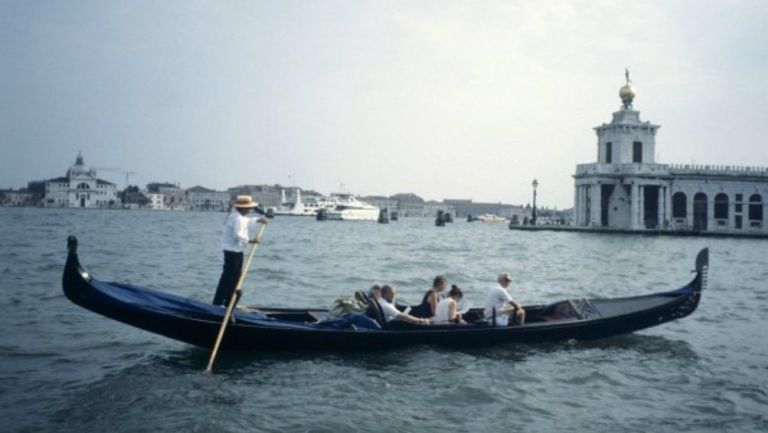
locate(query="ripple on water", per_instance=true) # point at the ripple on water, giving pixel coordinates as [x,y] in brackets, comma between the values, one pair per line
[71,370]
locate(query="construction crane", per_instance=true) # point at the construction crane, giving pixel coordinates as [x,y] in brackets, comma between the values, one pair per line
[127,173]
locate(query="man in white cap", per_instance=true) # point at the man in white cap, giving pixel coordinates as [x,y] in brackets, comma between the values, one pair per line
[234,240]
[499,305]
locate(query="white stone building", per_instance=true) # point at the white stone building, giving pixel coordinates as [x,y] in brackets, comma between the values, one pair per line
[155,201]
[201,198]
[431,207]
[381,202]
[80,188]
[627,189]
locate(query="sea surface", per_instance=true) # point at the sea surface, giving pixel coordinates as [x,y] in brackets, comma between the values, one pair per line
[65,369]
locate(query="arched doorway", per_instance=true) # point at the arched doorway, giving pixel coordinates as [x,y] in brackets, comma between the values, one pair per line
[679,205]
[700,211]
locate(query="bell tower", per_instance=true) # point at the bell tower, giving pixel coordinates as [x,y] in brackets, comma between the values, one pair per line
[626,139]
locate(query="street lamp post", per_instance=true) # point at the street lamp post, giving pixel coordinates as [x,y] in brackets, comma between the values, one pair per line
[535,185]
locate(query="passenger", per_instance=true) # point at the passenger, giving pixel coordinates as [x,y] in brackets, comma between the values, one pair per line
[387,303]
[499,304]
[448,309]
[428,305]
[375,292]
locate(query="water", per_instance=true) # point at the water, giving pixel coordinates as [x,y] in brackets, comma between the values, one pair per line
[63,368]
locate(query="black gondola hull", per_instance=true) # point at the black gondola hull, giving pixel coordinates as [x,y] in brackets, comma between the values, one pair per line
[197,324]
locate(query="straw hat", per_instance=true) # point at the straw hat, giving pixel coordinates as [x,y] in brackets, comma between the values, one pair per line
[245,202]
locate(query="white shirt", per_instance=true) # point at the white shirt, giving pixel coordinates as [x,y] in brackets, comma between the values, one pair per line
[390,312]
[498,298]
[443,310]
[235,236]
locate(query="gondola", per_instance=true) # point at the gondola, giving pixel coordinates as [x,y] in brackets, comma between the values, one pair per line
[197,323]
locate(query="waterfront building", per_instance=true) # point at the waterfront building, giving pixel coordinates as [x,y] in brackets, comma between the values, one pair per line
[409,204]
[464,207]
[381,202]
[37,189]
[431,208]
[11,197]
[80,188]
[174,198]
[628,189]
[155,201]
[201,198]
[265,195]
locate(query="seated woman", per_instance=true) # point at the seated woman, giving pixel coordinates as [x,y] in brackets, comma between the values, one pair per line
[428,305]
[448,310]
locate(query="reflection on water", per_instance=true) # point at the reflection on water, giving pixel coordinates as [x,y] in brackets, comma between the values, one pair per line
[66,369]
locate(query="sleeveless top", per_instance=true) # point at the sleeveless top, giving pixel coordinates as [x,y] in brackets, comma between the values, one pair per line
[423,310]
[442,311]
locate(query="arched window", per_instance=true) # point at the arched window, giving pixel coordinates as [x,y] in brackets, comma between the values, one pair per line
[82,186]
[700,213]
[679,205]
[721,206]
[755,207]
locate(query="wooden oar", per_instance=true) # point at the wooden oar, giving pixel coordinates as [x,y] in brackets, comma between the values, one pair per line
[233,300]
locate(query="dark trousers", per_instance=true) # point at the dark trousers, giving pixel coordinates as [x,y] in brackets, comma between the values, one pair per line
[233,266]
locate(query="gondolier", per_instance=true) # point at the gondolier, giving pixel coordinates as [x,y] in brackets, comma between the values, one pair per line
[234,239]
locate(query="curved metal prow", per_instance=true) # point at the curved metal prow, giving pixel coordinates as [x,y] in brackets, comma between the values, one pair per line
[72,244]
[702,268]
[74,279]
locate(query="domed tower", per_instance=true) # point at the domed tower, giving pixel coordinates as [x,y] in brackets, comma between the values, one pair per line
[626,139]
[80,169]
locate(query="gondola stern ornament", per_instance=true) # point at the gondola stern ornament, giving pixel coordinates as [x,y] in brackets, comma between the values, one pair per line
[702,267]
[74,275]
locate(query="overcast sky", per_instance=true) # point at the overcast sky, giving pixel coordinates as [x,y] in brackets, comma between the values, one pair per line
[468,99]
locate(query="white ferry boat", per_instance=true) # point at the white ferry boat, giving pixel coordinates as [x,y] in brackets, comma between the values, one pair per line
[301,207]
[348,207]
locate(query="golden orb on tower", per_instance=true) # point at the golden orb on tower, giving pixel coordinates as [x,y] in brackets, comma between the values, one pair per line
[627,92]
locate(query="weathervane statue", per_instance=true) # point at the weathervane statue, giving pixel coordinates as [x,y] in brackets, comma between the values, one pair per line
[627,93]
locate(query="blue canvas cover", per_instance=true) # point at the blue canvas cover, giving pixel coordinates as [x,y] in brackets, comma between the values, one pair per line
[144,300]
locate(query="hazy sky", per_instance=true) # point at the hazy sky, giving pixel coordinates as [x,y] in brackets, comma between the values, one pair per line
[468,99]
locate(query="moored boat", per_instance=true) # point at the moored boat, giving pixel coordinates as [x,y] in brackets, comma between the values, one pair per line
[197,323]
[348,207]
[490,218]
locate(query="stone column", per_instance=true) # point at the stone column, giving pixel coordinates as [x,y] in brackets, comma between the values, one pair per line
[660,208]
[668,203]
[596,206]
[576,204]
[732,212]
[633,207]
[689,209]
[641,206]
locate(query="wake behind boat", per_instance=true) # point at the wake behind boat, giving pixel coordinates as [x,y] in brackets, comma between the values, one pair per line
[197,323]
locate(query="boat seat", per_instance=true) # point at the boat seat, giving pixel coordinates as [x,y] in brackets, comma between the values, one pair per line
[374,312]
[362,297]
